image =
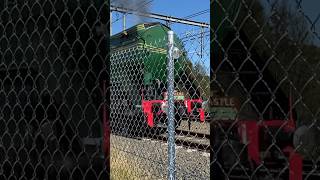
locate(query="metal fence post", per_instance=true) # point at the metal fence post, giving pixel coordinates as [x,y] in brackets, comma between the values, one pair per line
[171,120]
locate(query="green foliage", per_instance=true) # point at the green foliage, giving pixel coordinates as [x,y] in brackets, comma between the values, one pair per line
[202,78]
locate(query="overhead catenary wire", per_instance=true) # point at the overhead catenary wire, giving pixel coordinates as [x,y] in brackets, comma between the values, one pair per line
[196,14]
[205,33]
[161,17]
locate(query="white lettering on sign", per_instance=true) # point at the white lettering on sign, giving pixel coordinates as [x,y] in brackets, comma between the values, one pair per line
[225,102]
[177,94]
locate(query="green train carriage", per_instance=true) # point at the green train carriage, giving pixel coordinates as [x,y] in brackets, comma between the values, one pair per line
[139,75]
[151,38]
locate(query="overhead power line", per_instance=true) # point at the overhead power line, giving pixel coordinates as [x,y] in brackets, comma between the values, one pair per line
[197,14]
[160,17]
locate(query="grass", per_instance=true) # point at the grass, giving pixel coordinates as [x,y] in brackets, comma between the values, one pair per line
[124,167]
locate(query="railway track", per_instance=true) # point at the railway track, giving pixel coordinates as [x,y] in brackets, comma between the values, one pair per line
[188,139]
[191,133]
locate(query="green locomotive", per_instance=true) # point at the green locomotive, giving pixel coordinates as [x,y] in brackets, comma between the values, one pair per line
[138,76]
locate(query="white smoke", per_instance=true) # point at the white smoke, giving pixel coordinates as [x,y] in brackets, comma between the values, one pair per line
[136,5]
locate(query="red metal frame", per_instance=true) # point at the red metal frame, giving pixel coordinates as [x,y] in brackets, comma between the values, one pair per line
[147,108]
[250,129]
[189,103]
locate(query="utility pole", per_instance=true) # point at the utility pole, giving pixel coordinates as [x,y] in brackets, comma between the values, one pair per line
[124,22]
[201,42]
[110,23]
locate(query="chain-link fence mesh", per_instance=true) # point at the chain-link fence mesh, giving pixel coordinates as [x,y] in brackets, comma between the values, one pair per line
[265,68]
[53,65]
[263,103]
[139,103]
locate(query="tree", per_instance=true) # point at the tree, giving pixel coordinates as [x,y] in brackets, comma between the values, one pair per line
[202,78]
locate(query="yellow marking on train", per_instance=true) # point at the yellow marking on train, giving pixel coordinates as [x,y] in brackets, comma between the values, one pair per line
[140,27]
[142,47]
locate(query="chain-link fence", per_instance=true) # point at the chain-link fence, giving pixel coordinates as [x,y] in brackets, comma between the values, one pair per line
[261,106]
[52,69]
[265,68]
[139,103]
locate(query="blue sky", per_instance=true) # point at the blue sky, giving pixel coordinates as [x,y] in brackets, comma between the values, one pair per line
[176,8]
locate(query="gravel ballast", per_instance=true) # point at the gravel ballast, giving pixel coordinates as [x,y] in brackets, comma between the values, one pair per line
[148,159]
